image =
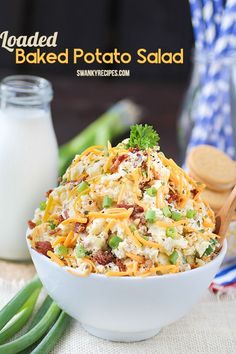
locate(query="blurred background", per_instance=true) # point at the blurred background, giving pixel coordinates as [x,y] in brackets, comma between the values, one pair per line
[127,25]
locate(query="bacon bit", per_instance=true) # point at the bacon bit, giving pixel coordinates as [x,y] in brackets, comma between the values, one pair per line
[31,224]
[173,197]
[103,257]
[194,266]
[156,174]
[144,168]
[116,162]
[148,264]
[120,265]
[142,219]
[79,227]
[43,247]
[136,149]
[82,178]
[144,165]
[66,215]
[137,209]
[143,184]
[49,192]
[53,232]
[30,237]
[194,192]
[124,205]
[60,219]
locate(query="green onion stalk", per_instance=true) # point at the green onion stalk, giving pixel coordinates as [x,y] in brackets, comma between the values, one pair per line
[18,301]
[20,319]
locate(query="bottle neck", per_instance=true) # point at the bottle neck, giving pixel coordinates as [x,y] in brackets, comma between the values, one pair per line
[25,91]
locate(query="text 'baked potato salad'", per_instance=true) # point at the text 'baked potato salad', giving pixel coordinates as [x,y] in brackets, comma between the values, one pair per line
[127,211]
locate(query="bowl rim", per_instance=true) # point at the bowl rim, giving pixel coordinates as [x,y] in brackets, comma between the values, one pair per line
[187,273]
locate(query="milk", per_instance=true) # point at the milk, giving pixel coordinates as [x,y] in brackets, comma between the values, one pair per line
[28,168]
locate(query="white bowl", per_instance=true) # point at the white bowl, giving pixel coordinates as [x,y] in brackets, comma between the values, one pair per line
[125,308]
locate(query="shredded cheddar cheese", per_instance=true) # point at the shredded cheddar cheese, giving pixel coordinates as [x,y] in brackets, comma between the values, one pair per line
[48,208]
[139,259]
[117,274]
[80,220]
[146,242]
[55,259]
[131,235]
[121,194]
[123,211]
[59,241]
[112,215]
[69,239]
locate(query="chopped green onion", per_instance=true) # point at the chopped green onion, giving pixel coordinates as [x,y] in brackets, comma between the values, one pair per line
[171,232]
[80,251]
[208,251]
[114,241]
[107,202]
[150,216]
[144,173]
[133,227]
[145,238]
[176,216]
[61,250]
[83,186]
[213,241]
[152,192]
[166,212]
[191,214]
[39,222]
[52,224]
[42,206]
[173,257]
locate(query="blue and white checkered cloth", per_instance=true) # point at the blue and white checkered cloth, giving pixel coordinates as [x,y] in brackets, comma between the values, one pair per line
[214,25]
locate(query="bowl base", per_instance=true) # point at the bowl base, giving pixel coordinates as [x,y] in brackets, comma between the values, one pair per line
[121,336]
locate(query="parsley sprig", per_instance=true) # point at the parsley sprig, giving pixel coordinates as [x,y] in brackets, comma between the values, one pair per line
[143,137]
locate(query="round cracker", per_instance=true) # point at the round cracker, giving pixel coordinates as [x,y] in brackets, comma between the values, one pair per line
[212,166]
[214,187]
[216,200]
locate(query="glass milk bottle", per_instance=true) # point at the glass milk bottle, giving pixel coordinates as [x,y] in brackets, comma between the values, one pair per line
[28,157]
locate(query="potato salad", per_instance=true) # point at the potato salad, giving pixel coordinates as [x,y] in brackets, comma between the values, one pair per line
[126,210]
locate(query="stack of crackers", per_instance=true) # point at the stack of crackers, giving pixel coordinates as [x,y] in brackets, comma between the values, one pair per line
[216,170]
